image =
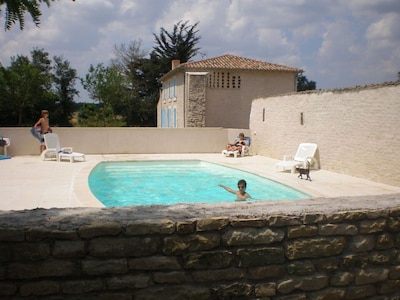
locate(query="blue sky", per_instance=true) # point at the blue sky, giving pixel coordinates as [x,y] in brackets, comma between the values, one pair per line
[338,44]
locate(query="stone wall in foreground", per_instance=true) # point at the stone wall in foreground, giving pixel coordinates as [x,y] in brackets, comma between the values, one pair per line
[339,255]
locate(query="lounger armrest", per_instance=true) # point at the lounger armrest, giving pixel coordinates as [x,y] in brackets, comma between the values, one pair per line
[66,150]
[310,160]
[245,148]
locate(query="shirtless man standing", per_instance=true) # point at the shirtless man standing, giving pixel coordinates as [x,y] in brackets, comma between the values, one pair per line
[43,122]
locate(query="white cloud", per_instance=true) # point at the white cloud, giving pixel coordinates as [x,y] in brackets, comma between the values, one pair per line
[337,43]
[384,33]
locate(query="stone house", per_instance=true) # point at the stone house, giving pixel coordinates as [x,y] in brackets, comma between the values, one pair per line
[218,92]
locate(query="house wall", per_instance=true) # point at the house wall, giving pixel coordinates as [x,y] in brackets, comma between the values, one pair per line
[174,105]
[122,253]
[356,129]
[195,100]
[221,106]
[230,107]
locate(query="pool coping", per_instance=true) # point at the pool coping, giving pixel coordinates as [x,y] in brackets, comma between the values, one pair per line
[325,184]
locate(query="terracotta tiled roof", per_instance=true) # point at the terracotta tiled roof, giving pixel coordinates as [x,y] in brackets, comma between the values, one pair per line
[233,62]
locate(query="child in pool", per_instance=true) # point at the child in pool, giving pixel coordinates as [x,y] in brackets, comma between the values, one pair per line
[241,194]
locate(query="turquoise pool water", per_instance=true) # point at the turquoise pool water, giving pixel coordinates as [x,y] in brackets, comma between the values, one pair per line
[171,182]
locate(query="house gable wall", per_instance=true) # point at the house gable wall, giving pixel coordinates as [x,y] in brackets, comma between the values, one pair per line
[230,107]
[222,98]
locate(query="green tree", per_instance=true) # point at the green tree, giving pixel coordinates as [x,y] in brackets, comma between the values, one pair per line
[107,87]
[303,84]
[27,91]
[15,11]
[5,109]
[178,44]
[64,78]
[130,60]
[90,115]
[29,85]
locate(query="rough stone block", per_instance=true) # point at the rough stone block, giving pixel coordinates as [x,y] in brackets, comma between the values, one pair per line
[385,257]
[266,272]
[216,223]
[185,227]
[170,277]
[31,251]
[252,236]
[154,263]
[342,278]
[41,288]
[232,291]
[314,247]
[177,244]
[156,226]
[340,217]
[368,276]
[359,260]
[259,257]
[301,268]
[12,234]
[52,268]
[133,246]
[78,287]
[128,282]
[384,241]
[248,222]
[389,287]
[314,218]
[362,243]
[328,294]
[70,249]
[106,266]
[338,229]
[7,289]
[219,275]
[302,231]
[208,260]
[360,292]
[283,220]
[38,234]
[394,224]
[265,289]
[394,272]
[372,226]
[99,228]
[306,284]
[173,292]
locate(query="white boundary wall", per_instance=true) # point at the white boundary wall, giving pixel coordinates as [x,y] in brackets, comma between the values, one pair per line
[118,140]
[357,129]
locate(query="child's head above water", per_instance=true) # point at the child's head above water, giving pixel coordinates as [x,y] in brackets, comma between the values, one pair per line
[242,184]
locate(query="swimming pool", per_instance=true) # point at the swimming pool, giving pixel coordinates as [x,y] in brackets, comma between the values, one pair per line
[168,182]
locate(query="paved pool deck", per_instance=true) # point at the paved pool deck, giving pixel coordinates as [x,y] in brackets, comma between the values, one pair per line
[28,183]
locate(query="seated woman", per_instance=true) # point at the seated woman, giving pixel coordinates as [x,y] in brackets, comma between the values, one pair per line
[238,144]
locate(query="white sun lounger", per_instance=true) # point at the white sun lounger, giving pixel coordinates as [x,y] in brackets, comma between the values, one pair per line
[53,150]
[305,152]
[245,149]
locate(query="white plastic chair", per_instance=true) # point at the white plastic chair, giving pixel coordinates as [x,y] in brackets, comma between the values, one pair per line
[8,143]
[54,150]
[305,152]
